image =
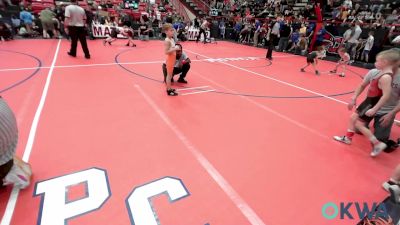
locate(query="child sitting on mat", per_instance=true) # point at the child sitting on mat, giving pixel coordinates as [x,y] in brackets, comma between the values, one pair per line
[379,90]
[312,59]
[343,61]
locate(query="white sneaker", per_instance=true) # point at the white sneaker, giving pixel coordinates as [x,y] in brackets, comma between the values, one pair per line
[341,75]
[388,184]
[395,193]
[342,139]
[378,148]
[19,175]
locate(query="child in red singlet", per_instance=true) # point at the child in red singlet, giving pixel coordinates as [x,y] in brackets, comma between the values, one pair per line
[170,51]
[379,81]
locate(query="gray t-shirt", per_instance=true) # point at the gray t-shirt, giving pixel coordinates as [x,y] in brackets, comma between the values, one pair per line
[394,96]
[76,15]
[8,133]
[178,62]
[356,35]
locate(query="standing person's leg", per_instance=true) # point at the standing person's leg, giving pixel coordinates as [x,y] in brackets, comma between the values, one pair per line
[198,36]
[382,133]
[378,145]
[185,70]
[164,68]
[350,131]
[270,46]
[255,39]
[170,71]
[315,68]
[74,40]
[82,40]
[285,43]
[204,36]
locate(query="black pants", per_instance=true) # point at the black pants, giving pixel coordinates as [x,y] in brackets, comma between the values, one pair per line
[4,169]
[202,31]
[184,70]
[78,33]
[271,45]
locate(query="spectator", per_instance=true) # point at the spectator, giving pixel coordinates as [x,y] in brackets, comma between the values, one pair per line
[144,31]
[5,32]
[353,40]
[273,35]
[46,18]
[320,36]
[222,28]
[285,33]
[348,4]
[368,46]
[27,19]
[392,18]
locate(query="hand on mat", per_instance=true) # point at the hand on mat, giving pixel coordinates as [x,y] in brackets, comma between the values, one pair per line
[386,119]
[370,112]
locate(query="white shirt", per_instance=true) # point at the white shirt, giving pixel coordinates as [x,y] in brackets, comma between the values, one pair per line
[369,43]
[76,15]
[348,3]
[356,35]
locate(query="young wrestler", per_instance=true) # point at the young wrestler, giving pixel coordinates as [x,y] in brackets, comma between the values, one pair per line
[112,37]
[129,33]
[379,81]
[170,51]
[312,59]
[344,60]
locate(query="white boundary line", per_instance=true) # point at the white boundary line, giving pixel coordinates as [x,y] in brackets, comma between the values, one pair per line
[274,79]
[184,89]
[211,170]
[9,211]
[198,92]
[126,63]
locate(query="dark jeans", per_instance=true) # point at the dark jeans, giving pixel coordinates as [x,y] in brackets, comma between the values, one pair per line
[184,70]
[382,133]
[4,169]
[283,43]
[202,31]
[78,33]
[271,45]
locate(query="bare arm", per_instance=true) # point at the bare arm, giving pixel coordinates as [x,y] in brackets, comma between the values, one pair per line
[385,84]
[357,93]
[167,47]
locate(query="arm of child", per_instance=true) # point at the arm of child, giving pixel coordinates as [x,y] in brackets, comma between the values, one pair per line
[167,47]
[357,93]
[385,85]
[386,119]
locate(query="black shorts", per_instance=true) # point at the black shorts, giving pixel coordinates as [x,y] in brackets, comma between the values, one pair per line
[4,169]
[129,33]
[367,104]
[310,59]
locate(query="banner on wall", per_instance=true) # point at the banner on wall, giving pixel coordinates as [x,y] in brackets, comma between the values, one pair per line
[332,43]
[102,31]
[193,32]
